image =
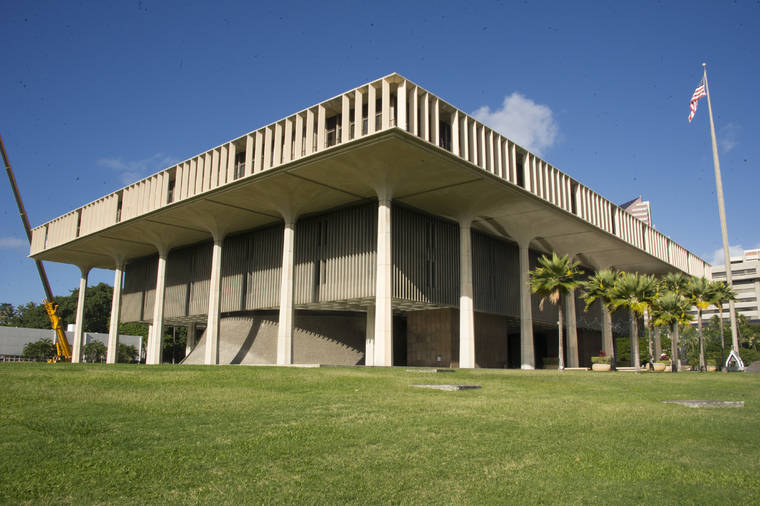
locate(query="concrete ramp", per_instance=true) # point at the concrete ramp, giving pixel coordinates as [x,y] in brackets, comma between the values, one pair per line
[318,338]
[242,340]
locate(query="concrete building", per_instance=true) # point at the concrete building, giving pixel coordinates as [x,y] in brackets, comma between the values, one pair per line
[382,226]
[639,209]
[745,274]
[13,340]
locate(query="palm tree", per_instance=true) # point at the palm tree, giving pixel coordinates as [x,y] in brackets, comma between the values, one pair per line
[654,313]
[674,282]
[553,279]
[634,292]
[722,293]
[701,293]
[598,287]
[671,310]
[650,330]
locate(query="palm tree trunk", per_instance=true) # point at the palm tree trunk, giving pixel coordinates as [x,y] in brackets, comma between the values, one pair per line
[559,328]
[702,364]
[635,342]
[608,346]
[649,342]
[674,348]
[722,340]
[657,343]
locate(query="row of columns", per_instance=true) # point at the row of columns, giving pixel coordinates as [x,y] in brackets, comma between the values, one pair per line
[467,313]
[379,327]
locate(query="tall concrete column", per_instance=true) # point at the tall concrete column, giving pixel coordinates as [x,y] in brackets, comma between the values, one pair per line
[572,330]
[153,353]
[76,348]
[113,328]
[211,355]
[285,326]
[383,307]
[191,338]
[369,347]
[527,355]
[466,311]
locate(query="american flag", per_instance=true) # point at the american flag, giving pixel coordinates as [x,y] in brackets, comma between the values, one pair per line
[698,93]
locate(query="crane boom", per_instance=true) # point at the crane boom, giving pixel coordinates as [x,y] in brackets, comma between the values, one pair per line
[63,349]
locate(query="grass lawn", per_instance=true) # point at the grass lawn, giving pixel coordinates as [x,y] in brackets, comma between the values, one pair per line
[232,434]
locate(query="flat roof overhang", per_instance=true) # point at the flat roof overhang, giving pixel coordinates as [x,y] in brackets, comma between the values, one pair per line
[391,162]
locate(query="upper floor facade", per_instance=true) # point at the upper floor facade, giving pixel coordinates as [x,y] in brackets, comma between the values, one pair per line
[391,103]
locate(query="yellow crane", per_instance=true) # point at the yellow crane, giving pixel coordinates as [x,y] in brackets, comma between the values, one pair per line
[62,347]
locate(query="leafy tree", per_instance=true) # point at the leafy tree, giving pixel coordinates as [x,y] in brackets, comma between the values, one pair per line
[598,287]
[97,307]
[553,280]
[750,333]
[31,316]
[173,346]
[635,292]
[135,329]
[8,314]
[95,351]
[97,310]
[623,350]
[688,341]
[701,292]
[42,350]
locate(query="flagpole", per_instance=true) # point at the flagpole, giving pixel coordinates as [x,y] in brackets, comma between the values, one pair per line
[722,211]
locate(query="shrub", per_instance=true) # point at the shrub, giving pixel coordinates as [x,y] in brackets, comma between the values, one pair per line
[601,360]
[95,351]
[41,350]
[748,355]
[126,354]
[551,362]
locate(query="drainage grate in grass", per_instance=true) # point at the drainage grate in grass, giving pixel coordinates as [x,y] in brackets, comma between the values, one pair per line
[449,388]
[709,404]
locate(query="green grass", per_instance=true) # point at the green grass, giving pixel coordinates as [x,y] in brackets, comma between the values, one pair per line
[182,434]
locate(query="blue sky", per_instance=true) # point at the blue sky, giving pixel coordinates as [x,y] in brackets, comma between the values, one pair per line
[95,95]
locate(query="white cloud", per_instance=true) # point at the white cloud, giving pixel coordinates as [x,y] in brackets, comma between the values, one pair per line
[520,119]
[728,137]
[13,243]
[131,171]
[733,251]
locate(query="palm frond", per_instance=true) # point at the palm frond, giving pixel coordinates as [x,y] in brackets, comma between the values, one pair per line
[555,277]
[634,291]
[599,287]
